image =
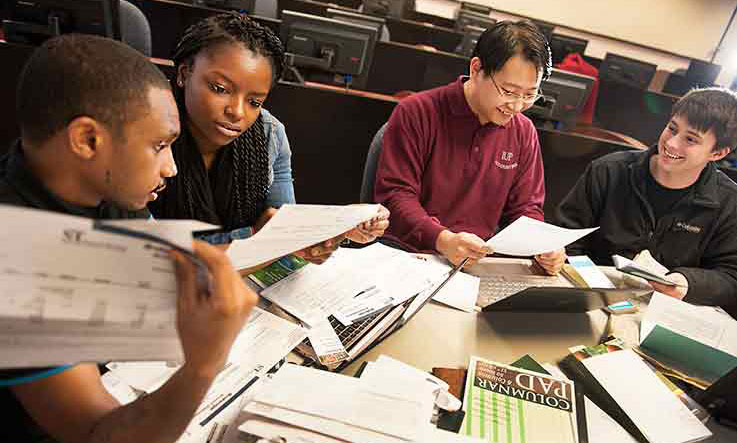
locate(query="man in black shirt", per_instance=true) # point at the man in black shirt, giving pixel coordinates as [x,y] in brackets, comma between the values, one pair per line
[97,122]
[670,200]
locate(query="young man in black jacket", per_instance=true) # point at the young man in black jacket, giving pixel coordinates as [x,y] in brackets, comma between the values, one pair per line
[670,200]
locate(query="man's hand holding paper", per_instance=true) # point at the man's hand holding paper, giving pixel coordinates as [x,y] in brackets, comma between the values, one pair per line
[458,246]
[552,262]
[226,303]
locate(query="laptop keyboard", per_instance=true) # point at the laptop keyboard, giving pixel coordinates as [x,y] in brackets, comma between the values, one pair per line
[349,334]
[498,287]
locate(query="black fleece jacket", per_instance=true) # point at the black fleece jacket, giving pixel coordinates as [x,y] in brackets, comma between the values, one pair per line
[697,238]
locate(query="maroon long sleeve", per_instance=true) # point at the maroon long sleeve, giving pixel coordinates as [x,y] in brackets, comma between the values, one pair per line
[441,169]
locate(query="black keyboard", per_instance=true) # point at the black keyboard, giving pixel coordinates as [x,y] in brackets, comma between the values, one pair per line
[351,334]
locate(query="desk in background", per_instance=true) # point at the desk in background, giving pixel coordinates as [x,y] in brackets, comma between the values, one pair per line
[309,7]
[329,132]
[169,19]
[417,33]
[635,112]
[401,67]
[433,19]
[565,158]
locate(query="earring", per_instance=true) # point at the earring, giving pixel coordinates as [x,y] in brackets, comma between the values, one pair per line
[180,83]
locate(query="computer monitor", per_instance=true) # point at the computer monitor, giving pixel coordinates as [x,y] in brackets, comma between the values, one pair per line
[562,45]
[237,5]
[470,18]
[703,72]
[32,22]
[388,8]
[700,74]
[475,7]
[564,96]
[361,19]
[328,50]
[471,36]
[619,69]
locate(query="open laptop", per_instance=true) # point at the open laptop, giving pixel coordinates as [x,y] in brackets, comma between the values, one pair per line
[362,334]
[376,328]
[521,285]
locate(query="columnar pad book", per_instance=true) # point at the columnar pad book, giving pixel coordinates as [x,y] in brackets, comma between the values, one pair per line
[507,404]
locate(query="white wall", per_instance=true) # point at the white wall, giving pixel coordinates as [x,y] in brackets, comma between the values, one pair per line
[686,27]
[689,28]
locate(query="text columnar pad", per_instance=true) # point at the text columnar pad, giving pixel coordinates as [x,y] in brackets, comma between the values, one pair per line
[504,403]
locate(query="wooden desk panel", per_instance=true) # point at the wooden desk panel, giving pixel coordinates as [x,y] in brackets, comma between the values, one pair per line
[329,132]
[418,33]
[402,67]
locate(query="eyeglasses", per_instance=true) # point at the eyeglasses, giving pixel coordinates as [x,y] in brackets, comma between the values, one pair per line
[513,96]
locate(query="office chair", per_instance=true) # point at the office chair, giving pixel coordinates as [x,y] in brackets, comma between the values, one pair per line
[134,28]
[369,170]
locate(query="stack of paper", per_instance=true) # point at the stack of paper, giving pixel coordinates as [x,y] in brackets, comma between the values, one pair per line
[352,284]
[697,342]
[262,342]
[635,388]
[390,403]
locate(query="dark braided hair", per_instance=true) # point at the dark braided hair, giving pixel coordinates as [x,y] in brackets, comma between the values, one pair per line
[248,154]
[235,28]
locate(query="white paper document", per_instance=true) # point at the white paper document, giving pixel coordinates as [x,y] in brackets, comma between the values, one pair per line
[338,406]
[328,347]
[71,292]
[254,425]
[602,428]
[705,324]
[526,237]
[263,341]
[460,292]
[352,282]
[366,303]
[295,227]
[659,415]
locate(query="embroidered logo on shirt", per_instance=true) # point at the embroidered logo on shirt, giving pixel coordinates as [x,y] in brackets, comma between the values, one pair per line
[681,226]
[505,161]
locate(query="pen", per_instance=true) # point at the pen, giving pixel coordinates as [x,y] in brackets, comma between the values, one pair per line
[230,400]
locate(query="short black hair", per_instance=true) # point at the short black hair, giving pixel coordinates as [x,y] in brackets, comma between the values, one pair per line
[77,75]
[506,39]
[231,27]
[711,108]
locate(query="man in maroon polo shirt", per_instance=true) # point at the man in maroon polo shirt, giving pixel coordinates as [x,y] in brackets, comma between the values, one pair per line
[460,160]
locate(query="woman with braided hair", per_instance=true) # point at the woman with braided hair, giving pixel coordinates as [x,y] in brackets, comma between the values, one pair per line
[233,156]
